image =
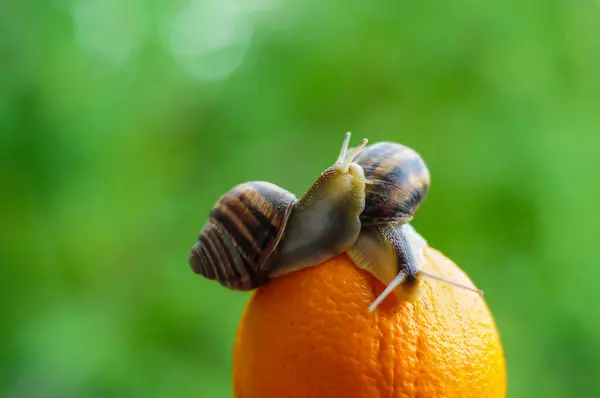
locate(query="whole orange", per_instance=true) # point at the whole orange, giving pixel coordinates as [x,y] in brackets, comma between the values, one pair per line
[309,334]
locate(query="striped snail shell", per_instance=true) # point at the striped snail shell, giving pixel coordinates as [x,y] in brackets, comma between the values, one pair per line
[241,233]
[399,183]
[258,231]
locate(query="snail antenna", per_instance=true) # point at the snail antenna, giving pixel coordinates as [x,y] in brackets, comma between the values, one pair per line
[354,153]
[344,149]
[401,277]
[446,281]
[397,281]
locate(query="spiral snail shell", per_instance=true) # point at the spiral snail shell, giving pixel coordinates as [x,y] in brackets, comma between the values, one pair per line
[242,231]
[399,183]
[258,231]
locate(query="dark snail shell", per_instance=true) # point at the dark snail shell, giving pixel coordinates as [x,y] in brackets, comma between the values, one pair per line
[399,182]
[241,233]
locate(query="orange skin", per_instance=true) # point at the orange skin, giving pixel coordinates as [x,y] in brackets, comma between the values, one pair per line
[309,335]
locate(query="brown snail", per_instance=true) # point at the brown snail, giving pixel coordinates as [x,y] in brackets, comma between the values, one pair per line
[258,231]
[388,246]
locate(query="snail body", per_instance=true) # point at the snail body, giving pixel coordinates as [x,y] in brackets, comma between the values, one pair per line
[388,246]
[392,253]
[258,231]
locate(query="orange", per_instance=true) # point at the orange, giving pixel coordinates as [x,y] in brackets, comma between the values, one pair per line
[309,334]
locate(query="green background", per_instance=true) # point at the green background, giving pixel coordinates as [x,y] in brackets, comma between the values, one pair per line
[122,122]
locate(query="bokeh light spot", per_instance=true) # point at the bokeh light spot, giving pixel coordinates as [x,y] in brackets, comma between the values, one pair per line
[210,39]
[110,29]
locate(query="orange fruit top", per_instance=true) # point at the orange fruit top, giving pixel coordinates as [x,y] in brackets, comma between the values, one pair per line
[309,335]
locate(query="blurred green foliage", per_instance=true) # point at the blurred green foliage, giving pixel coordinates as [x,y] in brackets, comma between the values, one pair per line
[121,123]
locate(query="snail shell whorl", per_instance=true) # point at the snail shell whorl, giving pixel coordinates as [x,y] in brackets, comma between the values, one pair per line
[400,182]
[242,231]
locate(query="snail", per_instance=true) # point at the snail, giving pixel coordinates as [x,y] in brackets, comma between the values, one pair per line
[258,231]
[388,246]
